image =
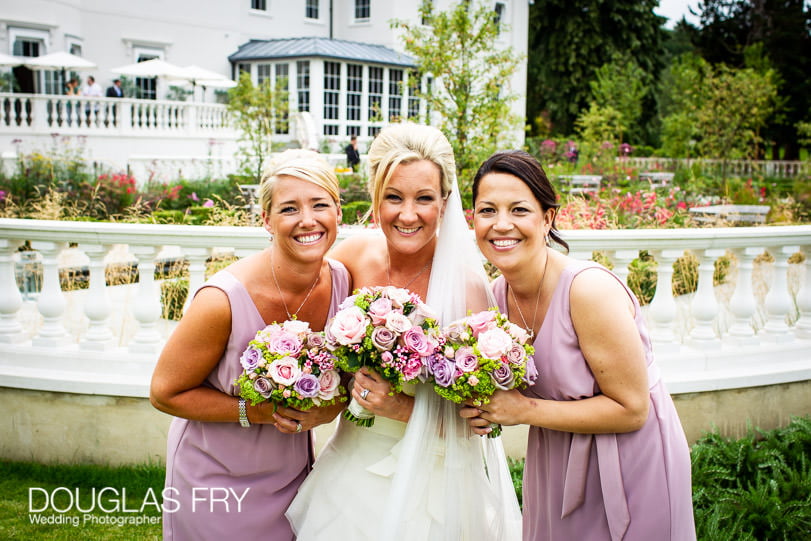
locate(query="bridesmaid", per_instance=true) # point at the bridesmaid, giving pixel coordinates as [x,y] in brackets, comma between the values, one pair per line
[607,457]
[232,468]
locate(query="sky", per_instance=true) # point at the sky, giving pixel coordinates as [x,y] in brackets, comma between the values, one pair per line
[675,9]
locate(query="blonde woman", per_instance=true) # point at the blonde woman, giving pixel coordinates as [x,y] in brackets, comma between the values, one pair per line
[232,468]
[418,472]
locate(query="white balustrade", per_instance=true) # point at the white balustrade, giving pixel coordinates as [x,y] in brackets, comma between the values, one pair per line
[129,330]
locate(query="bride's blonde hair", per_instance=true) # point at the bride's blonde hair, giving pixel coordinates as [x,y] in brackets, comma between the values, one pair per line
[401,144]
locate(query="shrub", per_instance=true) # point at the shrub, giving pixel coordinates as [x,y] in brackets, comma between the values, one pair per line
[354,212]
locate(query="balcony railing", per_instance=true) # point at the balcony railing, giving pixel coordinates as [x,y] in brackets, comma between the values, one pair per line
[754,330]
[83,115]
[735,168]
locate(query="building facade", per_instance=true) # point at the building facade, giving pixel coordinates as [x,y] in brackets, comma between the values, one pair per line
[344,65]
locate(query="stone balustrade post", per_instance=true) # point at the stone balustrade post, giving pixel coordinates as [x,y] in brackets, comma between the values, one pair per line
[197,270]
[147,307]
[742,304]
[704,307]
[803,326]
[96,304]
[778,299]
[51,303]
[11,331]
[663,306]
[621,260]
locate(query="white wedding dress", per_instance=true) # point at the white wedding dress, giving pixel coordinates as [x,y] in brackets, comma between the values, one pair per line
[431,479]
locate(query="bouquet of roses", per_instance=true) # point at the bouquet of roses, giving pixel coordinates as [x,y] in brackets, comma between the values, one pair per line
[388,329]
[483,352]
[291,366]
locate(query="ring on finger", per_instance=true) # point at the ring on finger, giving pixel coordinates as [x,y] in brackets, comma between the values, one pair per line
[298,428]
[364,393]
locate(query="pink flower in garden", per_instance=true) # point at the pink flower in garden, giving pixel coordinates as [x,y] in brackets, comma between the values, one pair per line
[208,203]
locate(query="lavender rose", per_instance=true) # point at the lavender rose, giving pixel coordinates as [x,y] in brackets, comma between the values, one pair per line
[328,382]
[444,371]
[285,343]
[516,354]
[503,377]
[263,386]
[307,386]
[434,361]
[383,339]
[251,358]
[466,359]
[316,340]
[532,372]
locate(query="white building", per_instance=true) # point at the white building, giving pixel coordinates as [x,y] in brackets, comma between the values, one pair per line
[344,65]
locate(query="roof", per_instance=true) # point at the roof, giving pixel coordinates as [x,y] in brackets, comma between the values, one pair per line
[320,47]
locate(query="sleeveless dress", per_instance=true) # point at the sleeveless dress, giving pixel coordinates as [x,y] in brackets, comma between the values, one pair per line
[632,486]
[225,480]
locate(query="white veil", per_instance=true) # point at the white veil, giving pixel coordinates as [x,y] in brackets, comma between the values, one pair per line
[471,496]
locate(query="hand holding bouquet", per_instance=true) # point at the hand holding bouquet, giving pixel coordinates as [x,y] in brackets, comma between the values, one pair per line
[290,365]
[387,329]
[483,352]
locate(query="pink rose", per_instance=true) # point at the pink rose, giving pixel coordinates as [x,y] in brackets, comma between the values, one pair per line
[399,296]
[415,340]
[519,333]
[267,334]
[481,321]
[397,322]
[412,368]
[349,326]
[378,310]
[347,302]
[328,381]
[284,371]
[465,359]
[473,380]
[294,326]
[494,343]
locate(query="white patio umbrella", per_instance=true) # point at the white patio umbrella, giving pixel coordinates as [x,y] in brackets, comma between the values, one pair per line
[151,68]
[59,60]
[9,61]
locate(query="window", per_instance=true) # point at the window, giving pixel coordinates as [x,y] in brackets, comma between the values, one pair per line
[373,131]
[395,94]
[330,129]
[263,74]
[429,83]
[311,9]
[332,87]
[413,95]
[261,5]
[362,10]
[303,84]
[375,94]
[146,85]
[352,130]
[243,68]
[75,48]
[354,89]
[498,15]
[282,83]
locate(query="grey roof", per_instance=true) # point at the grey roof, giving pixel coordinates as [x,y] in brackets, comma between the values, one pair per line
[320,47]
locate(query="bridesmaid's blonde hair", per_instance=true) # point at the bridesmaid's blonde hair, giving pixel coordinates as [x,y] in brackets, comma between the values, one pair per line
[302,164]
[401,144]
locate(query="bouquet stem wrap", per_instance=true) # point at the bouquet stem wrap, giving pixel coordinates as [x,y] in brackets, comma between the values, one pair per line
[359,415]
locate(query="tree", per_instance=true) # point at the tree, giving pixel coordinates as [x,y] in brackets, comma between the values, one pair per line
[730,27]
[470,91]
[569,41]
[257,112]
[683,91]
[621,85]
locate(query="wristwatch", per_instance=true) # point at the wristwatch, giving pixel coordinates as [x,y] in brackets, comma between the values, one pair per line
[243,414]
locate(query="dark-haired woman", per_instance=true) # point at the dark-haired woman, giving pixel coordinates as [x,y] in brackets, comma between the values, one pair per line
[607,457]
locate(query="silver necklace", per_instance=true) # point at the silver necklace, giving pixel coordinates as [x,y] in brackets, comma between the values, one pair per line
[531,330]
[388,272]
[279,289]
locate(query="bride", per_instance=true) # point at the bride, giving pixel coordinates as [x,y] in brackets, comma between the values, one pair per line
[418,473]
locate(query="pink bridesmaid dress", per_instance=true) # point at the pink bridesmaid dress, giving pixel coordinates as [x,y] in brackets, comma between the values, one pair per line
[630,486]
[224,481]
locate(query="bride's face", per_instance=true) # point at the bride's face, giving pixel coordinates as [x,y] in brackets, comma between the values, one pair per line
[411,207]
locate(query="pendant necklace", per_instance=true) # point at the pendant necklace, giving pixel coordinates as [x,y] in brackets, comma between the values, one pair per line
[388,272]
[279,289]
[531,330]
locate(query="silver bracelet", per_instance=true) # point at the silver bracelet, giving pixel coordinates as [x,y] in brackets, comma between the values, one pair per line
[243,414]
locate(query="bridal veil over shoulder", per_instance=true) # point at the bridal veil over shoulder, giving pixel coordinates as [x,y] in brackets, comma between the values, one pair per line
[436,481]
